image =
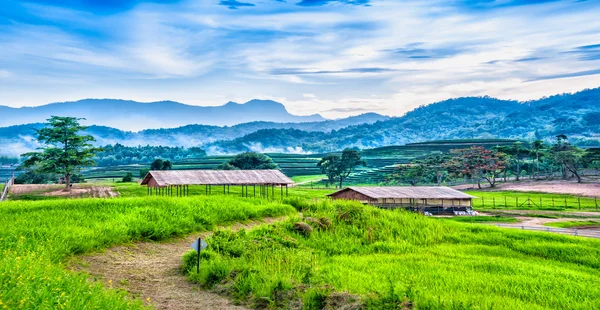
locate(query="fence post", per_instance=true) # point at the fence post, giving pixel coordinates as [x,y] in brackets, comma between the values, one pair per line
[516,202]
[540,202]
[552,202]
[529,202]
[579,202]
[482,203]
[505,202]
[494,202]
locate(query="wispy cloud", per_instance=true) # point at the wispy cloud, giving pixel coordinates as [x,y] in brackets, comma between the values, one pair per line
[384,56]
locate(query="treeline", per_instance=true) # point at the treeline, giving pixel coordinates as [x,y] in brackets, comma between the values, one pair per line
[118,154]
[536,160]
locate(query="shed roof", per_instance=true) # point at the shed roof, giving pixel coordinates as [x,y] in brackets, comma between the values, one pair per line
[217,177]
[418,192]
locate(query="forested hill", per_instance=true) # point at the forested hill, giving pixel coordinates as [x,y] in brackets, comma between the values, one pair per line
[575,115]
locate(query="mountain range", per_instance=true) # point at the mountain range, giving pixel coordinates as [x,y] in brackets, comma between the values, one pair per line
[576,115]
[133,115]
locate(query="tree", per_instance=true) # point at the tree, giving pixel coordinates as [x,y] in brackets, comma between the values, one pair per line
[537,147]
[516,151]
[411,173]
[252,161]
[128,177]
[159,164]
[338,168]
[65,151]
[568,156]
[226,166]
[143,172]
[478,163]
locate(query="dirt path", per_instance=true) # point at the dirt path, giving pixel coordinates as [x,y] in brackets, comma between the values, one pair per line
[78,190]
[150,271]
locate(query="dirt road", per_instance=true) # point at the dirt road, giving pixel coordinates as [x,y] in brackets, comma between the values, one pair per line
[150,271]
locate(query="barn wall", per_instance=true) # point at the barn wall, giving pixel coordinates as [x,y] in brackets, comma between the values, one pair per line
[152,183]
[351,195]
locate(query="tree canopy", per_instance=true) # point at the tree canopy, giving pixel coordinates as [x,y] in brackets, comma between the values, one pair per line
[250,161]
[339,167]
[65,150]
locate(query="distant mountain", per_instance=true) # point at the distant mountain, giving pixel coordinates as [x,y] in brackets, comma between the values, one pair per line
[20,138]
[132,115]
[575,115]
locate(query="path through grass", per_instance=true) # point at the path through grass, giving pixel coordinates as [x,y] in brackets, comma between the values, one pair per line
[36,237]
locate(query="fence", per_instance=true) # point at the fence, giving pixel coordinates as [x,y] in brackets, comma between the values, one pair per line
[538,203]
[7,186]
[564,231]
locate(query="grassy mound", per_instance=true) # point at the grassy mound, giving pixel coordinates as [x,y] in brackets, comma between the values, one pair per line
[36,236]
[380,259]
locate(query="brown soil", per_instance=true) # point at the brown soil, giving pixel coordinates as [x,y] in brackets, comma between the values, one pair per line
[555,187]
[77,191]
[150,271]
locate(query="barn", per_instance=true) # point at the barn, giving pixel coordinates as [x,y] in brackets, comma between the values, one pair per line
[436,199]
[252,182]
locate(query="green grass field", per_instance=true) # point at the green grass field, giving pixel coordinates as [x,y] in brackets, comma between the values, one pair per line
[532,201]
[37,236]
[573,224]
[481,219]
[396,260]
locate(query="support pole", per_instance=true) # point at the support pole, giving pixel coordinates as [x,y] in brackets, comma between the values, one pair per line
[254,186]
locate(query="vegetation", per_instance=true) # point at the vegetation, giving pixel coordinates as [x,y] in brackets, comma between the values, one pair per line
[380,259]
[36,236]
[338,167]
[249,161]
[573,224]
[118,154]
[159,164]
[66,151]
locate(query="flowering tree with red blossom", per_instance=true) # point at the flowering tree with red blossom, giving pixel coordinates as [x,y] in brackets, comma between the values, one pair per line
[477,162]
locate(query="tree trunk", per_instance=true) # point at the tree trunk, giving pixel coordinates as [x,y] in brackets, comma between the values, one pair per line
[479,183]
[341,182]
[518,169]
[68,182]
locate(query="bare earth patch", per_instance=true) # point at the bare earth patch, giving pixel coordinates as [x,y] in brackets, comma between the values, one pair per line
[555,187]
[151,272]
[77,191]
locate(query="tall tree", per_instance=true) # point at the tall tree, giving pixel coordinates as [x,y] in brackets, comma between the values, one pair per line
[537,148]
[568,156]
[338,168]
[252,161]
[478,163]
[516,152]
[65,150]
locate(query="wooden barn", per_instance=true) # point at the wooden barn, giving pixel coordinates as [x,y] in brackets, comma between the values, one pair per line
[419,198]
[177,182]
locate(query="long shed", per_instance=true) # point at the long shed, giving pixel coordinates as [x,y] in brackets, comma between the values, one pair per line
[169,182]
[428,198]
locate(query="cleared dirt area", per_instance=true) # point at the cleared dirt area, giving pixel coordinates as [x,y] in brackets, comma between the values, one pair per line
[589,189]
[151,272]
[77,191]
[555,187]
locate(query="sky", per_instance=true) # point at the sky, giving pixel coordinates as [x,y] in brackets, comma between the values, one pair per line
[333,57]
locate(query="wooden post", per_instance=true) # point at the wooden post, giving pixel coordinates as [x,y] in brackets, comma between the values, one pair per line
[505,202]
[517,202]
[286,192]
[254,186]
[579,202]
[493,202]
[540,202]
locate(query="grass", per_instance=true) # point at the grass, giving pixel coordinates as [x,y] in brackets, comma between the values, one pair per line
[308,178]
[395,259]
[573,224]
[36,237]
[532,201]
[481,219]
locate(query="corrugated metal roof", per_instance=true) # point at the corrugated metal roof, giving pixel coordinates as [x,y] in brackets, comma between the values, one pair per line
[217,177]
[418,192]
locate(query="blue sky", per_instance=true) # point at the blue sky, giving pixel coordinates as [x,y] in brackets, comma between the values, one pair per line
[334,57]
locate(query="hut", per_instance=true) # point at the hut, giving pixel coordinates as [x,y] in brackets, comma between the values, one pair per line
[435,200]
[177,182]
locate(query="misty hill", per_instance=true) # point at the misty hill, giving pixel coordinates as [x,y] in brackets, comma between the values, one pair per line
[20,138]
[133,115]
[575,115]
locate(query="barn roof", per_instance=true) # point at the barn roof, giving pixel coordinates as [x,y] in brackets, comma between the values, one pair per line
[217,177]
[418,192]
